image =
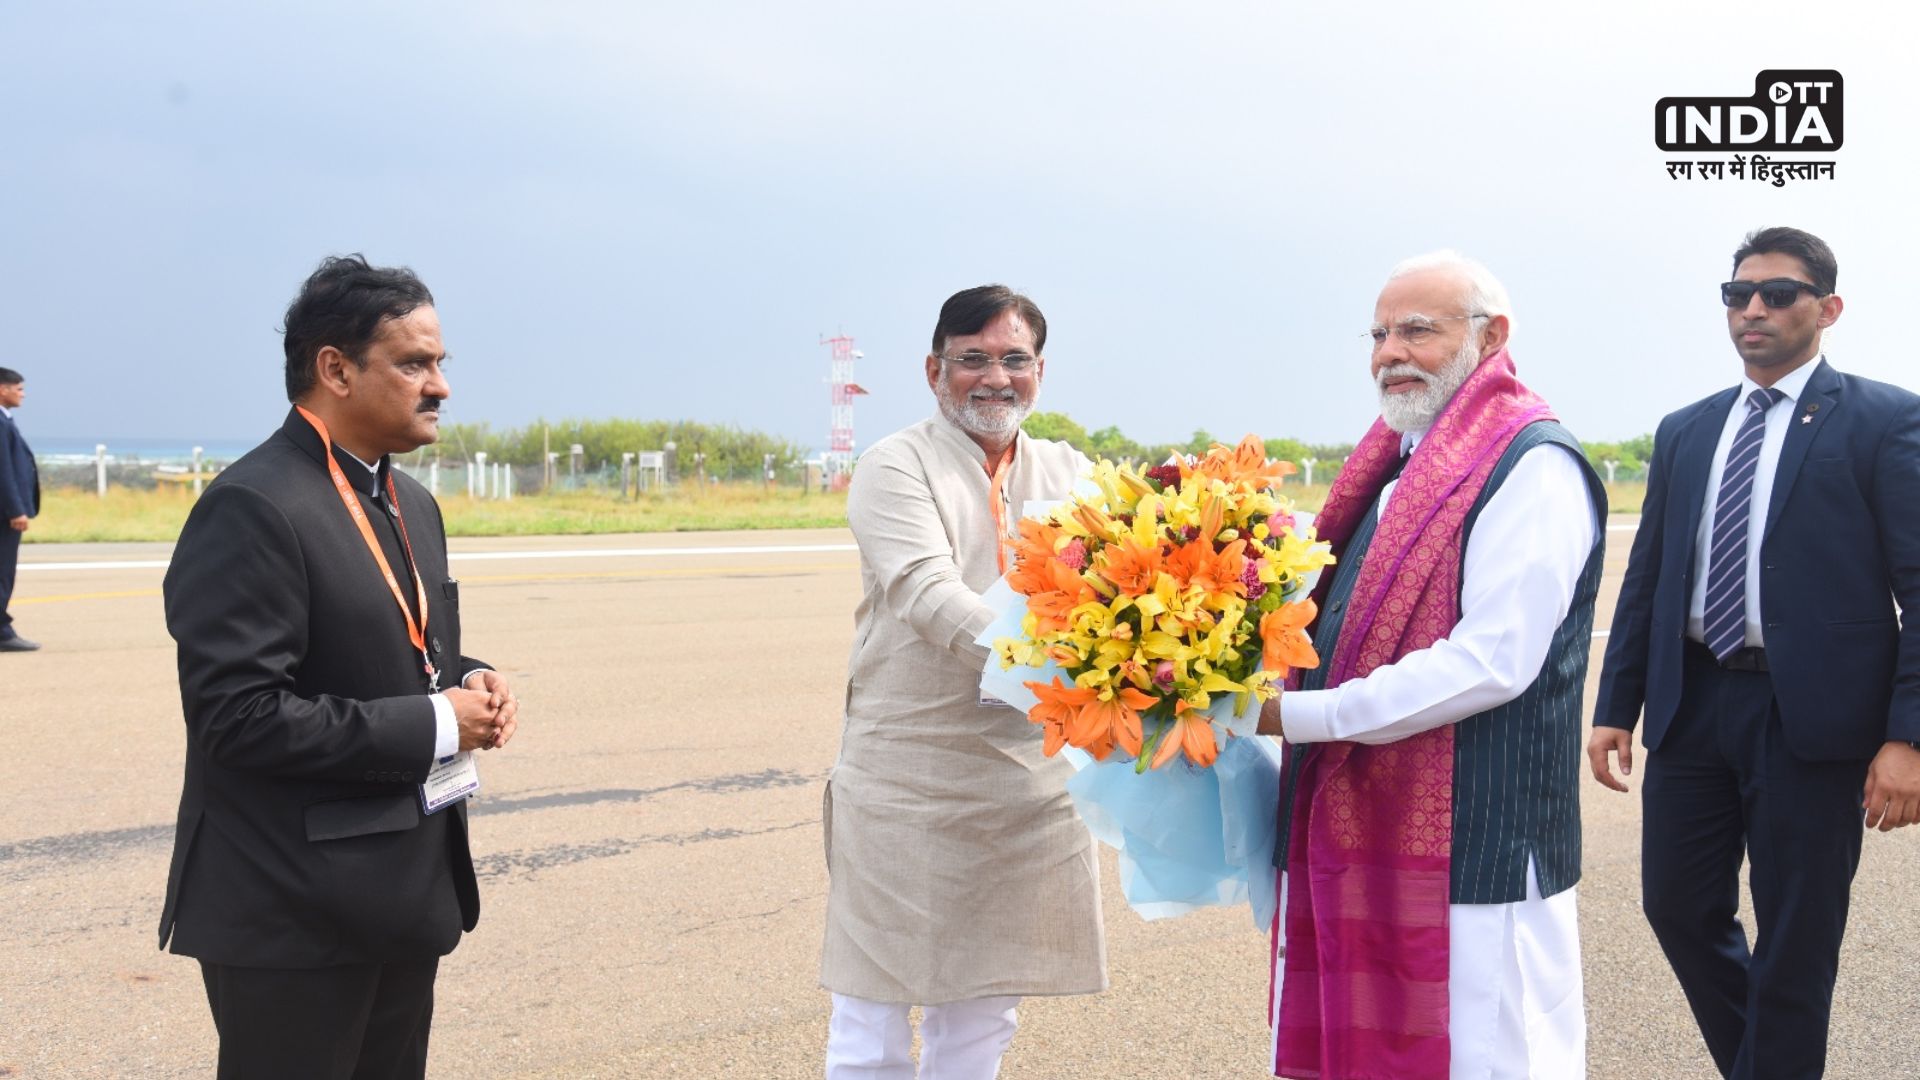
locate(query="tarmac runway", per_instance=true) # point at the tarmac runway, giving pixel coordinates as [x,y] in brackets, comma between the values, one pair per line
[649,846]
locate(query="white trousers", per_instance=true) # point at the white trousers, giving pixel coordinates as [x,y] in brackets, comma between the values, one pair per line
[1517,1004]
[961,1040]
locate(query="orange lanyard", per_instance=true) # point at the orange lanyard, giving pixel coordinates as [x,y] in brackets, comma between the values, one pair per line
[997,497]
[416,631]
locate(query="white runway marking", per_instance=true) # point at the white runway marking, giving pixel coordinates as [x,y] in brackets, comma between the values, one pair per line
[480,556]
[620,553]
[127,564]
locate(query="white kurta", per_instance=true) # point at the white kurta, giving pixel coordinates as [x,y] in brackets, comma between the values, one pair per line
[957,866]
[1514,987]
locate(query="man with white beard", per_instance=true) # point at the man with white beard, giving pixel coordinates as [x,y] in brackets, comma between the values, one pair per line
[960,878]
[1430,820]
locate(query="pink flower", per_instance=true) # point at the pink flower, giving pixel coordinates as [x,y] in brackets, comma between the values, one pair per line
[1163,674]
[1075,555]
[1250,577]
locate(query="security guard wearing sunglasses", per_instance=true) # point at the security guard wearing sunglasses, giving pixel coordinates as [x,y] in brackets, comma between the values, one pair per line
[1757,644]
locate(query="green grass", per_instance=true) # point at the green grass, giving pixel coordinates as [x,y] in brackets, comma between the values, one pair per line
[1626,497]
[75,514]
[718,508]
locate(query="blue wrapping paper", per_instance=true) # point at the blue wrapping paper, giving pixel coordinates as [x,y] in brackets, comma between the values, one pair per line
[1186,837]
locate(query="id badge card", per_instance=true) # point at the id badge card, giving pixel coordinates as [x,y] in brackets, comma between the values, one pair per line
[449,781]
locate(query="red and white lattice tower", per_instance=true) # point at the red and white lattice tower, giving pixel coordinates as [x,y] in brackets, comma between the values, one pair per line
[839,455]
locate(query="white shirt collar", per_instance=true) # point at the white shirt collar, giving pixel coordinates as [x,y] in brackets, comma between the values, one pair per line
[375,469]
[1792,385]
[373,473]
[6,412]
[1411,439]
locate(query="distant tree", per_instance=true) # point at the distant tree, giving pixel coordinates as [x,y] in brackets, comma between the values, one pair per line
[1631,456]
[1200,443]
[1599,452]
[1288,450]
[1053,425]
[1331,452]
[1110,443]
[726,450]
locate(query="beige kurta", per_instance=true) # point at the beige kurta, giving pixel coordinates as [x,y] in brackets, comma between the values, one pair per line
[958,868]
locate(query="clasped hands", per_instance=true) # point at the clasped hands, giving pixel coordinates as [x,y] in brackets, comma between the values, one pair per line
[486,715]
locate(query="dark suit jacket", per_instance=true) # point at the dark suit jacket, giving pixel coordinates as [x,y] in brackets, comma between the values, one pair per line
[19,477]
[301,842]
[1841,545]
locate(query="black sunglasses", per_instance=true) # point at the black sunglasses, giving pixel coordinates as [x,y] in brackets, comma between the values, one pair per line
[1777,292]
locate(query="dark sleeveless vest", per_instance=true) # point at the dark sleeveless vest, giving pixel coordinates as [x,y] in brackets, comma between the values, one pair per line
[1516,767]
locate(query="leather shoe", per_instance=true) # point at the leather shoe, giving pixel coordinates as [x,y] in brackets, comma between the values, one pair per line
[17,644]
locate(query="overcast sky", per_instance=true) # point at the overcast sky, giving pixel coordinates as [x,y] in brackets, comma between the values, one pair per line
[657,210]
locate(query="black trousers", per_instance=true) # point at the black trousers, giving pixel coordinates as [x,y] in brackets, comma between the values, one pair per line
[359,1022]
[9,562]
[1724,784]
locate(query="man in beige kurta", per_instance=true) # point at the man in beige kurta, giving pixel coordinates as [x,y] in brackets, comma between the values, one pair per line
[960,877]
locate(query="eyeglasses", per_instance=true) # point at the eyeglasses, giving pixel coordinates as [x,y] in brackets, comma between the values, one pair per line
[1777,292]
[1014,363]
[1417,330]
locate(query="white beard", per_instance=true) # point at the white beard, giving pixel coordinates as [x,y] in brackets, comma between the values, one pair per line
[1416,410]
[995,420]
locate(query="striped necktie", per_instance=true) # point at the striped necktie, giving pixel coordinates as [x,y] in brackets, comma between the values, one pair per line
[1726,614]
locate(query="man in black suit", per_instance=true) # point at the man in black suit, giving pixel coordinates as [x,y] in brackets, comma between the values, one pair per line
[19,500]
[1757,628]
[317,873]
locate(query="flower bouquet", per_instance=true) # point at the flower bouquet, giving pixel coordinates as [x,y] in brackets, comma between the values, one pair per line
[1158,608]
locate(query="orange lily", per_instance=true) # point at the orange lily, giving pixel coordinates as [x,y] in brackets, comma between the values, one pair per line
[1038,539]
[1029,576]
[1064,589]
[1109,719]
[1196,564]
[1131,565]
[1284,644]
[1059,705]
[1192,732]
[1245,466]
[1038,543]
